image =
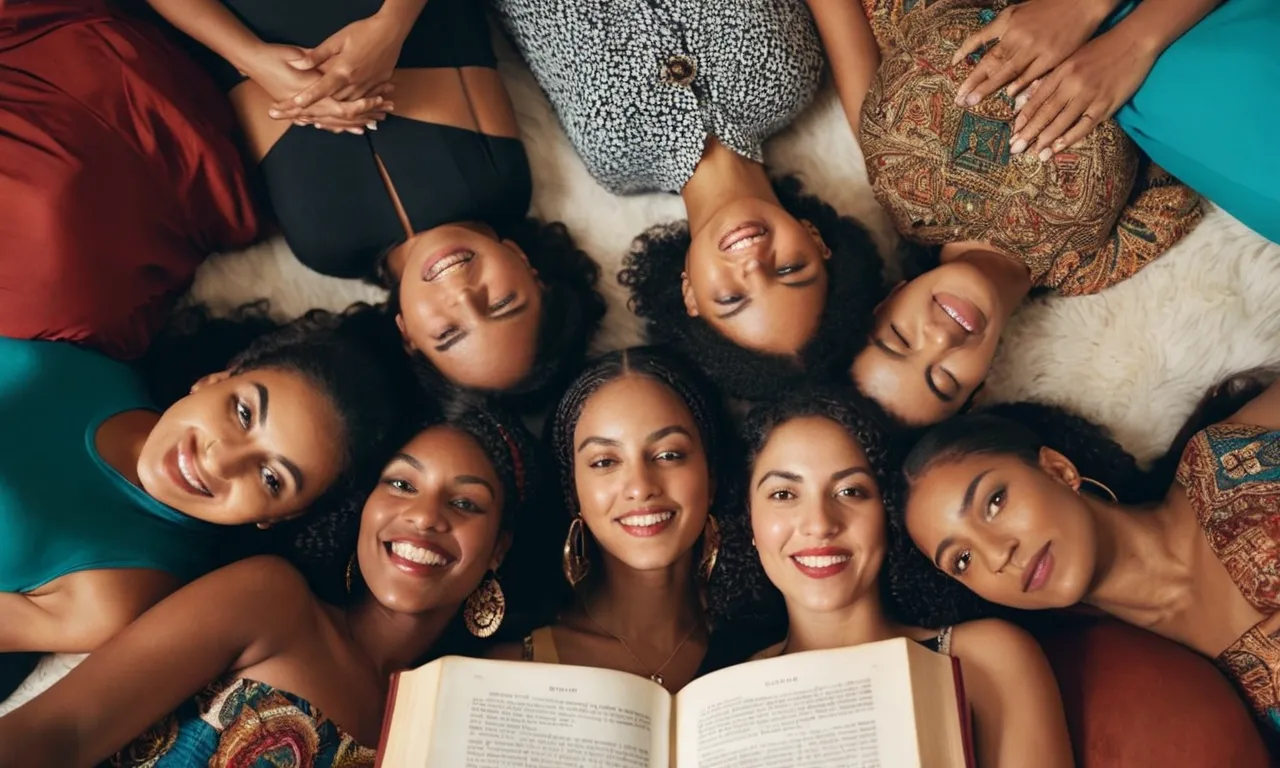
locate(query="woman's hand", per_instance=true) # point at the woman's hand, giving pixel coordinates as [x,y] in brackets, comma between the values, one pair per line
[356,61]
[272,68]
[1085,90]
[1027,40]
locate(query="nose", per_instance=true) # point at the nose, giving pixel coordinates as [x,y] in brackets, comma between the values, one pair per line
[426,513]
[226,460]
[467,297]
[641,484]
[996,551]
[819,521]
[937,335]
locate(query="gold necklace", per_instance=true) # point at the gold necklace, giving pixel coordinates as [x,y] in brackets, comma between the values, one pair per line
[656,675]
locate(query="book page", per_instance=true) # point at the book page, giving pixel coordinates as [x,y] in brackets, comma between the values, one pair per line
[845,708]
[510,713]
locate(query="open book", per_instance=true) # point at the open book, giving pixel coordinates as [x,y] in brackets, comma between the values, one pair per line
[893,703]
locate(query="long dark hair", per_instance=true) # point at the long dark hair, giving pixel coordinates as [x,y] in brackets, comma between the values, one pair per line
[652,273]
[670,371]
[572,310]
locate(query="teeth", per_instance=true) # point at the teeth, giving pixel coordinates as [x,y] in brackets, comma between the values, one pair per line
[450,264]
[821,561]
[188,472]
[644,521]
[746,242]
[418,554]
[955,316]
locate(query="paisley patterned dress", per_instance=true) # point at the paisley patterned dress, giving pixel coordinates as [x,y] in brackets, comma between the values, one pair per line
[1089,217]
[245,724]
[1232,476]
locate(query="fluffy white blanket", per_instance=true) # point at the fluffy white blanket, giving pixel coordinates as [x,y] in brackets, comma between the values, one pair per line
[1136,357]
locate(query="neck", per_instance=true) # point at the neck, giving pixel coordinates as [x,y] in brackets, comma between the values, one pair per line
[121,438]
[1136,565]
[862,622]
[721,177]
[646,604]
[398,258]
[395,641]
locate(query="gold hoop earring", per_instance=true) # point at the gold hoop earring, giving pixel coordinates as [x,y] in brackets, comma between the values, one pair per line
[351,568]
[485,607]
[710,548]
[576,563]
[1101,487]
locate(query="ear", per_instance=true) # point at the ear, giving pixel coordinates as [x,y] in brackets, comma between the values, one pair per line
[817,236]
[892,292]
[686,292]
[1060,468]
[500,549]
[213,378]
[404,334]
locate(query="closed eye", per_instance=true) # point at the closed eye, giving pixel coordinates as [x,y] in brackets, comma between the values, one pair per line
[728,301]
[901,339]
[451,330]
[497,306]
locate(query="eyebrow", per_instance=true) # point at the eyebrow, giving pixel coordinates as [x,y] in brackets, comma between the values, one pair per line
[407,459]
[298,478]
[788,476]
[657,434]
[842,474]
[965,503]
[262,403]
[460,335]
[473,480]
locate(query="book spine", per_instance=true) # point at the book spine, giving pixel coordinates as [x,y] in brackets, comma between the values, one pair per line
[386,719]
[966,719]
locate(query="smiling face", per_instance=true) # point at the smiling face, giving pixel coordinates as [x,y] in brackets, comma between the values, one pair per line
[817,515]
[472,305]
[641,474]
[1015,533]
[758,276]
[933,343]
[256,447]
[432,528]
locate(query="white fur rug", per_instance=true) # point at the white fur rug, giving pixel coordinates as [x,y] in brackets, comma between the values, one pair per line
[1136,357]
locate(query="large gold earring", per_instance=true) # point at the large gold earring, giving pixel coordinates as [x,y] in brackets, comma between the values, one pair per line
[351,569]
[710,548]
[576,563]
[485,608]
[1110,493]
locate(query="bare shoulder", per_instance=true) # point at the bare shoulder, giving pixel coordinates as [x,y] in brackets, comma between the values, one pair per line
[995,641]
[1261,411]
[263,586]
[506,652]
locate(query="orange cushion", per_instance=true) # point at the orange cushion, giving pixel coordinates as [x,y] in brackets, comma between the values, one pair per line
[1135,699]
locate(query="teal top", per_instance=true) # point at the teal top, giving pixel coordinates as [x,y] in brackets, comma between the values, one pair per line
[62,508]
[1209,111]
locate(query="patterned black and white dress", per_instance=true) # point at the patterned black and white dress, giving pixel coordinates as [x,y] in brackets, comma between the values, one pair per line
[639,85]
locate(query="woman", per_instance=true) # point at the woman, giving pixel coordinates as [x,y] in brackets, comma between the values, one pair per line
[1076,222]
[1000,511]
[431,200]
[119,173]
[1155,67]
[820,479]
[251,643]
[680,97]
[107,505]
[638,443]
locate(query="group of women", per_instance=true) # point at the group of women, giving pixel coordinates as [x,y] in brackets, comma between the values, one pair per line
[251,526]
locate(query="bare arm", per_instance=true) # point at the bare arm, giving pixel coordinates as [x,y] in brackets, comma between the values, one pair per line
[232,618]
[213,25]
[1261,411]
[92,608]
[1155,24]
[1017,709]
[851,49]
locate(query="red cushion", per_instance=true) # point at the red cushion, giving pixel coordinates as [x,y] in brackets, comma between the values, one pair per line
[1135,699]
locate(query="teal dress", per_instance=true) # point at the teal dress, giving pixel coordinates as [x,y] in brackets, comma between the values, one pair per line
[1209,111]
[62,508]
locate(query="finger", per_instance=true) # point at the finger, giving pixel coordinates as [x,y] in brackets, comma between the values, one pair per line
[320,89]
[1071,111]
[1038,120]
[1005,72]
[1030,75]
[1025,96]
[984,36]
[349,93]
[1035,101]
[1096,113]
[314,57]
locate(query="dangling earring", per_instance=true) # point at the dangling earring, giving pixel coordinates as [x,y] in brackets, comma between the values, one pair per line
[710,548]
[485,607]
[576,562]
[351,569]
[263,526]
[1110,493]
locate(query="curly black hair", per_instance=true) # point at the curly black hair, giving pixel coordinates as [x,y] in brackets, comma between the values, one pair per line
[744,594]
[322,545]
[668,369]
[651,271]
[572,310]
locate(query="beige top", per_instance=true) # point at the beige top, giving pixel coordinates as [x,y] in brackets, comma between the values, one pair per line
[540,646]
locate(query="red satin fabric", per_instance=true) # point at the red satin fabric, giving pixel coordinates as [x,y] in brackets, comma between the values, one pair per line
[119,173]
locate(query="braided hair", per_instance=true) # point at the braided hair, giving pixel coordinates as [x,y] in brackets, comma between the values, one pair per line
[572,310]
[665,368]
[651,271]
[745,595]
